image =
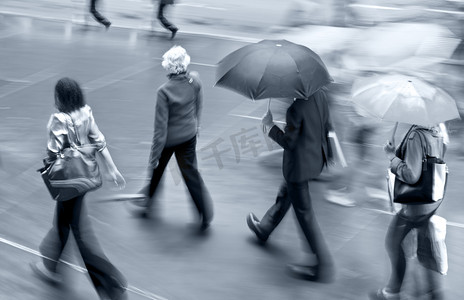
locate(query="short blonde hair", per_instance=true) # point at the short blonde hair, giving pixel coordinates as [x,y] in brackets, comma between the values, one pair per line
[176,60]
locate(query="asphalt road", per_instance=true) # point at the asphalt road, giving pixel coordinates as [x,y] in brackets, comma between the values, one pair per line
[162,257]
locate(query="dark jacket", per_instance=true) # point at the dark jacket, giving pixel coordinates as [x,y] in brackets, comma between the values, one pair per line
[166,1]
[178,110]
[305,140]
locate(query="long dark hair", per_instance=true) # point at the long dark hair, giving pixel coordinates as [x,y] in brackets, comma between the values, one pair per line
[68,95]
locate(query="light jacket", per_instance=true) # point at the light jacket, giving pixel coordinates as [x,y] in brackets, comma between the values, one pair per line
[85,127]
[407,165]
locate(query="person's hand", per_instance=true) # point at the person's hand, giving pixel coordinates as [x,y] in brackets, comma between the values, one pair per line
[267,119]
[198,132]
[118,179]
[389,149]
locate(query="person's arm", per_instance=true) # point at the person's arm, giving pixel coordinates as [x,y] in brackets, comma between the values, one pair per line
[113,171]
[97,138]
[57,133]
[409,170]
[161,129]
[288,139]
[199,101]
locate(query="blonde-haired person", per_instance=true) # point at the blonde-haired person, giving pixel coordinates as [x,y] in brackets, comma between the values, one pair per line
[177,122]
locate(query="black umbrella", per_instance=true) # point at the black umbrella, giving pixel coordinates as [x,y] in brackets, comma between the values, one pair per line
[273,69]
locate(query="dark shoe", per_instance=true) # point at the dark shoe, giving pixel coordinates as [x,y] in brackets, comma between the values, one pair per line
[304,272]
[173,32]
[138,207]
[311,273]
[253,224]
[204,226]
[45,274]
[107,23]
[382,294]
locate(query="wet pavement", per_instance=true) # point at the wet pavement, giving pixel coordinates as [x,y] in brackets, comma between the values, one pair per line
[163,257]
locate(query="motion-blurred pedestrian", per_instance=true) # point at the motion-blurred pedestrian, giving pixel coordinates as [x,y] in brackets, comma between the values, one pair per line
[355,186]
[165,22]
[71,215]
[406,162]
[98,16]
[306,151]
[177,124]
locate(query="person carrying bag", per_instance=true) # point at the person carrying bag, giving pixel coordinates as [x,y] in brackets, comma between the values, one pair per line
[74,170]
[414,165]
[71,171]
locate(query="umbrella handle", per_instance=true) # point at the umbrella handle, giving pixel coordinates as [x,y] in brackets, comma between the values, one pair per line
[393,134]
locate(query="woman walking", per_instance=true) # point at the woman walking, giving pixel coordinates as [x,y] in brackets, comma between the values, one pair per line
[406,163]
[177,122]
[71,215]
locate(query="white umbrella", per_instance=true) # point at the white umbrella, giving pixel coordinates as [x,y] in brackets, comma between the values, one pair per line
[405,99]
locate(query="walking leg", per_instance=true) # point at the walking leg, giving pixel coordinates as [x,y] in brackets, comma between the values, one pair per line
[276,212]
[106,278]
[53,244]
[396,233]
[98,16]
[187,159]
[301,201]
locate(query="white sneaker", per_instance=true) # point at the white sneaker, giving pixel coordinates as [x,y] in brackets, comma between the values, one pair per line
[45,274]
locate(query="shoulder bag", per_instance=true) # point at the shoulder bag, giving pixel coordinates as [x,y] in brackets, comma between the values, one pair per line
[74,171]
[431,185]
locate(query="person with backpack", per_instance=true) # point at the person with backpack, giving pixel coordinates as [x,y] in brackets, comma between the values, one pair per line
[407,162]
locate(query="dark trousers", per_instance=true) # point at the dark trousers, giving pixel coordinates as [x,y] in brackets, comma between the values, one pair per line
[187,160]
[399,228]
[166,24]
[297,195]
[72,216]
[98,16]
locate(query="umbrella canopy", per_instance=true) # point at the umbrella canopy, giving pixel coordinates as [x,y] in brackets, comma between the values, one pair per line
[273,69]
[394,44]
[405,99]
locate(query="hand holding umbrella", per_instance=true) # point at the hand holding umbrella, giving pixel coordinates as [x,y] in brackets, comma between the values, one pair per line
[267,120]
[390,147]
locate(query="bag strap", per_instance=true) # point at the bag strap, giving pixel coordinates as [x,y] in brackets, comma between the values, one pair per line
[400,150]
[421,137]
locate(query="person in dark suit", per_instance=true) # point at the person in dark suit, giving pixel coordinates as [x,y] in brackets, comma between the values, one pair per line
[166,24]
[98,16]
[306,152]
